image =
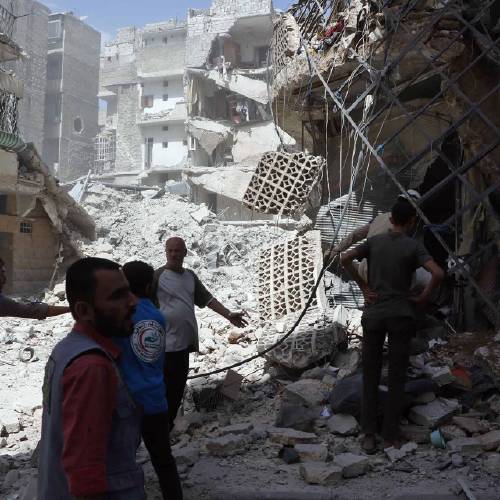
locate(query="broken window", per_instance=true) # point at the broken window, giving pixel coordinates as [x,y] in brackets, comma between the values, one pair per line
[26,228]
[165,128]
[165,144]
[148,156]
[165,40]
[78,125]
[165,97]
[55,29]
[54,67]
[147,101]
[165,83]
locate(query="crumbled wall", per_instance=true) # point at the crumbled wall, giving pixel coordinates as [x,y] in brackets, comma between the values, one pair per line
[128,135]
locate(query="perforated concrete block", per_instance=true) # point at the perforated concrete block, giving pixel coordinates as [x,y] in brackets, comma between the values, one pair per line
[287,273]
[283,182]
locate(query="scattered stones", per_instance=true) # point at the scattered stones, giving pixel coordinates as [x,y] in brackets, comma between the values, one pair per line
[9,422]
[424,398]
[60,291]
[297,416]
[469,446]
[12,477]
[344,425]
[352,465]
[226,446]
[347,362]
[290,436]
[492,463]
[434,413]
[312,452]
[395,454]
[440,375]
[308,392]
[490,441]
[187,455]
[236,429]
[316,373]
[289,455]
[320,473]
[186,423]
[416,433]
[450,432]
[457,460]
[470,425]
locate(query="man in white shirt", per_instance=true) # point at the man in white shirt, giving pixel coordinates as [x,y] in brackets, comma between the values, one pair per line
[177,291]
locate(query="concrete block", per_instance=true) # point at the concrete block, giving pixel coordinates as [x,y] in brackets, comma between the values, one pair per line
[470,425]
[9,422]
[236,429]
[395,454]
[187,455]
[434,413]
[309,392]
[466,446]
[290,436]
[344,425]
[490,441]
[320,473]
[443,376]
[452,432]
[492,464]
[12,477]
[228,445]
[352,465]
[312,452]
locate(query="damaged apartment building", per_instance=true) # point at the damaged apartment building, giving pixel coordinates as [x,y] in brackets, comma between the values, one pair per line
[142,131]
[229,117]
[36,216]
[381,98]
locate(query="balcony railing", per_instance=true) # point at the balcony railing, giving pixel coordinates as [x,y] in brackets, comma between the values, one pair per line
[8,112]
[6,21]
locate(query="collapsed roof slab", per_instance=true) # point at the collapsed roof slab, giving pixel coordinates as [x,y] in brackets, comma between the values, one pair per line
[209,133]
[242,85]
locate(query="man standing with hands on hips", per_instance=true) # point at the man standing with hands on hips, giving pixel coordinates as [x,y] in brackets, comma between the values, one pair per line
[177,290]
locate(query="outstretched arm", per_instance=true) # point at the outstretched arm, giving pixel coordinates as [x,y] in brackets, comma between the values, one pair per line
[235,318]
[351,239]
[57,310]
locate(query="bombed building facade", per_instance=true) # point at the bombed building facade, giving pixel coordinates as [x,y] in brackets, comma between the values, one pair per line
[36,216]
[143,133]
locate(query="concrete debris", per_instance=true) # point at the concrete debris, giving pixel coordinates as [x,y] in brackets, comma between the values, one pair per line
[228,445]
[186,455]
[352,465]
[491,440]
[452,432]
[320,473]
[202,215]
[470,425]
[236,429]
[416,433]
[347,362]
[231,385]
[466,446]
[440,374]
[312,452]
[434,413]
[395,454]
[492,463]
[296,416]
[344,425]
[9,422]
[290,437]
[289,455]
[283,182]
[307,392]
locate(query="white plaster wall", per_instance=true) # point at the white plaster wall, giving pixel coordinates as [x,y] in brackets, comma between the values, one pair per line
[176,151]
[175,91]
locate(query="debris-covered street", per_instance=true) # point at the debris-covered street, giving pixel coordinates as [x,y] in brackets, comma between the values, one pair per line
[294,205]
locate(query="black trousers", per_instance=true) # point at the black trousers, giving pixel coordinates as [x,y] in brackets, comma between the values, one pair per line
[176,373]
[400,331]
[156,437]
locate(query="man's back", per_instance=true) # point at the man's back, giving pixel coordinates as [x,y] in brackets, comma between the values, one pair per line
[392,259]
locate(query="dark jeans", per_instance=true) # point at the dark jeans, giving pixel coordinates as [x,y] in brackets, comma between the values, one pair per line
[157,440]
[400,331]
[176,373]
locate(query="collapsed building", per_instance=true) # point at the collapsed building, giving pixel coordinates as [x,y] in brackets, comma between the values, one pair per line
[37,218]
[142,134]
[392,98]
[229,117]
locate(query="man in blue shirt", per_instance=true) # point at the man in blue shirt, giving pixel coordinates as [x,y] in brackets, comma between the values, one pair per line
[141,363]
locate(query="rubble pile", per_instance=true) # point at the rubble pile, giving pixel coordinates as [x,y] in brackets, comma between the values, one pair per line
[294,426]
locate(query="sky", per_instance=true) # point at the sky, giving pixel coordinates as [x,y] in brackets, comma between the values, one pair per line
[108,15]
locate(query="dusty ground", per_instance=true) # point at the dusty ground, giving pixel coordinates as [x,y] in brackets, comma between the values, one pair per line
[132,227]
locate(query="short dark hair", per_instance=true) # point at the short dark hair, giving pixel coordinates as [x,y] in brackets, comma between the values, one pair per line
[402,212]
[139,275]
[80,278]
